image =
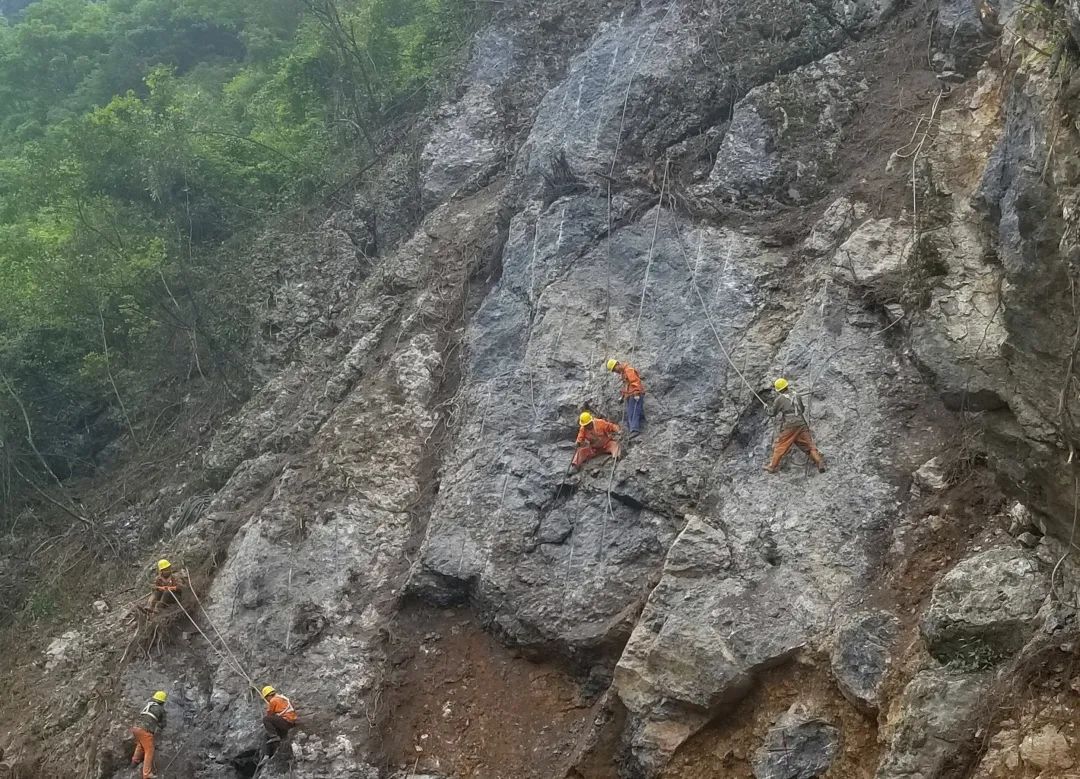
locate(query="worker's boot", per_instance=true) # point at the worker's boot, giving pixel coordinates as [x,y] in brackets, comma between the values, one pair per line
[271,745]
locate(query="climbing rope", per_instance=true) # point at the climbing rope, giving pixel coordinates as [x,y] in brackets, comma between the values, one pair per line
[239,669]
[610,510]
[607,247]
[614,162]
[708,315]
[633,348]
[649,261]
[224,643]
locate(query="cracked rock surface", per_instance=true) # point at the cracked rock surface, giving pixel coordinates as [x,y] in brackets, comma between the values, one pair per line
[702,189]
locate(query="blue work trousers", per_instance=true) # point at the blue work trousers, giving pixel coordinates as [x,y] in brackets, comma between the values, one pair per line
[635,413]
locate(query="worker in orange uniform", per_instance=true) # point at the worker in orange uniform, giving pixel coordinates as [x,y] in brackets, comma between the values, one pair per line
[794,428]
[167,587]
[595,436]
[151,720]
[279,719]
[633,393]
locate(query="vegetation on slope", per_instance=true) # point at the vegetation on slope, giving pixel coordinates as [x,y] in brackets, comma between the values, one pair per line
[136,136]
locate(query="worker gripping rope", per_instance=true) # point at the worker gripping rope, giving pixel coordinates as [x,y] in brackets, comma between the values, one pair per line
[168,587]
[595,437]
[279,719]
[633,392]
[151,721]
[794,427]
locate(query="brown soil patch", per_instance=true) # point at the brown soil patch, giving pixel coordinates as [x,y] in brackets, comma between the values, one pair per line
[947,527]
[726,747]
[460,704]
[902,88]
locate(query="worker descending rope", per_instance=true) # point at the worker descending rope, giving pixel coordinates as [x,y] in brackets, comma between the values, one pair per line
[279,719]
[595,436]
[633,393]
[794,427]
[167,587]
[151,720]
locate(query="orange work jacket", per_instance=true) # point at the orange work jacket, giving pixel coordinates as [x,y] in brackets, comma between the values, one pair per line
[597,434]
[280,705]
[633,386]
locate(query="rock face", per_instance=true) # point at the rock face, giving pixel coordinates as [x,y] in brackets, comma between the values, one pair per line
[861,656]
[699,189]
[1047,749]
[936,713]
[986,607]
[784,135]
[797,747]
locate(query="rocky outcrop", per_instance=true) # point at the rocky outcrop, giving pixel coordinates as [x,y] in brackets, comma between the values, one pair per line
[784,136]
[985,608]
[797,747]
[934,718]
[865,645]
[652,182]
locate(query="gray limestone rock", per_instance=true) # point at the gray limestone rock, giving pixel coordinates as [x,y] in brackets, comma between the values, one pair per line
[643,84]
[864,647]
[874,256]
[784,135]
[470,140]
[418,382]
[797,746]
[834,227]
[963,33]
[931,475]
[1072,15]
[986,607]
[934,721]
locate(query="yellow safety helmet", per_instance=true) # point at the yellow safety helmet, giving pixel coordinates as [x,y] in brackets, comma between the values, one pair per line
[160,696]
[268,690]
[780,384]
[611,364]
[585,418]
[163,564]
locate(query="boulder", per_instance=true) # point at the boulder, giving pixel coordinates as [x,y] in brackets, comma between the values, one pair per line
[874,256]
[986,607]
[643,83]
[861,656]
[797,746]
[784,135]
[833,227]
[935,719]
[66,648]
[931,476]
[1048,749]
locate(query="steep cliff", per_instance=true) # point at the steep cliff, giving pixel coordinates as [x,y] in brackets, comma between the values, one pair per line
[875,199]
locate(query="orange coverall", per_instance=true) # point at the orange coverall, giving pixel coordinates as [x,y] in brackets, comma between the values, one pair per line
[279,719]
[594,439]
[144,750]
[632,381]
[793,432]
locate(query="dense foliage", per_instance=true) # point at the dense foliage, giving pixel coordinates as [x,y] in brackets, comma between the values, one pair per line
[138,135]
